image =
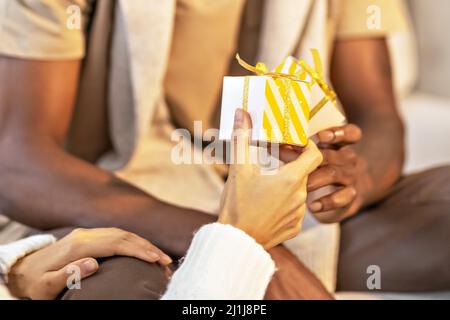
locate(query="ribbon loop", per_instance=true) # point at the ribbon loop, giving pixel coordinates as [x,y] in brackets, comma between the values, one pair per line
[261,70]
[316,75]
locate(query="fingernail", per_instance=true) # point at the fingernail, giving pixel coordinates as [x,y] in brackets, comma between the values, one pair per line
[90,266]
[315,206]
[339,133]
[238,118]
[153,255]
[165,259]
[298,148]
[326,136]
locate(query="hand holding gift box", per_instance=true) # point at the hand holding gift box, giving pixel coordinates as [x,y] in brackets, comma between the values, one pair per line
[287,106]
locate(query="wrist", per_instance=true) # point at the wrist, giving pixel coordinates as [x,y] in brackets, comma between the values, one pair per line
[227,219]
[17,284]
[13,255]
[366,189]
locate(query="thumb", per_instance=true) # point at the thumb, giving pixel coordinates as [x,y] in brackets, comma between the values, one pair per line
[306,163]
[86,267]
[68,276]
[241,137]
[242,119]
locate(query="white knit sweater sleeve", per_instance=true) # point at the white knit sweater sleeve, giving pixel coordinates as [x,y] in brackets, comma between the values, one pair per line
[10,253]
[222,262]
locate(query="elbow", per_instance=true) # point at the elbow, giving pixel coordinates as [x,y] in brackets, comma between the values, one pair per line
[12,170]
[7,172]
[18,158]
[394,129]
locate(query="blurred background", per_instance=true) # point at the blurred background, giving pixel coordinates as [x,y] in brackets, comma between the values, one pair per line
[421,61]
[421,65]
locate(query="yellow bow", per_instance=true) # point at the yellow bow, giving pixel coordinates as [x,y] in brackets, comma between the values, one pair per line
[261,70]
[316,77]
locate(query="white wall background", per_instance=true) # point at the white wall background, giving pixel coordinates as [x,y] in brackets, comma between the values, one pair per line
[431,21]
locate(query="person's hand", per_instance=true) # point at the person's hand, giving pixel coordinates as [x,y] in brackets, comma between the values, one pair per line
[270,208]
[43,274]
[343,170]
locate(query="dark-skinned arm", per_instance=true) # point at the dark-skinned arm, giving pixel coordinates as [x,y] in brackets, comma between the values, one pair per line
[43,186]
[359,171]
[361,75]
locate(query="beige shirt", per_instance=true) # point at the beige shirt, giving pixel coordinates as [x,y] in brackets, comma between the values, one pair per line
[206,35]
[205,39]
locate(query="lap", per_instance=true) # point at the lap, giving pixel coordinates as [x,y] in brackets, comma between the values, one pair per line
[121,278]
[407,236]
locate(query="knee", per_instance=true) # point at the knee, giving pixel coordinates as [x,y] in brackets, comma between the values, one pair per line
[433,185]
[122,278]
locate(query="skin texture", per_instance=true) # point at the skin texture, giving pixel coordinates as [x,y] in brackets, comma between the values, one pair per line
[361,171]
[273,219]
[43,274]
[45,187]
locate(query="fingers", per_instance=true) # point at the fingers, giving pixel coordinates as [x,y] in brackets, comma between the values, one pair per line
[341,157]
[107,242]
[307,162]
[241,137]
[134,246]
[56,281]
[337,200]
[347,134]
[288,153]
[344,155]
[329,175]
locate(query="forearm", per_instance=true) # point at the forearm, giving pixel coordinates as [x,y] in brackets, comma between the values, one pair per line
[46,188]
[364,86]
[383,149]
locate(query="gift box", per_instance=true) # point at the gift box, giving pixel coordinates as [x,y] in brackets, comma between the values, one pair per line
[287,105]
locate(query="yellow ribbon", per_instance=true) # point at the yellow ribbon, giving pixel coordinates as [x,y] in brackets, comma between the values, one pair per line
[261,70]
[316,75]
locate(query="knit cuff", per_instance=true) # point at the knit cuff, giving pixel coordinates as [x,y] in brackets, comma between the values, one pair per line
[222,262]
[10,253]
